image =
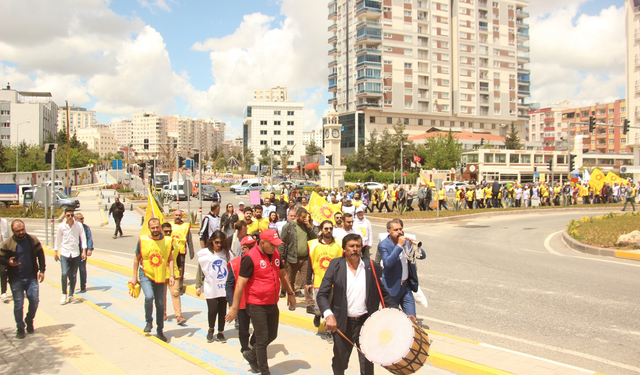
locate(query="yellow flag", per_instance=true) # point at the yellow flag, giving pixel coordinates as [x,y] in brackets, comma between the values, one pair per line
[319,209]
[613,178]
[597,179]
[153,211]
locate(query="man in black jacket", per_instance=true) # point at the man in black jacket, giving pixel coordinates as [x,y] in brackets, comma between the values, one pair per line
[117,209]
[495,192]
[22,254]
[354,273]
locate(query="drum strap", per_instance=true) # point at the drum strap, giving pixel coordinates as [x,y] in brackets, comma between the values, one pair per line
[375,277]
[350,342]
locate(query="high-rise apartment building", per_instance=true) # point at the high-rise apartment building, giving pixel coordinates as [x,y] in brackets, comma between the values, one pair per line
[632,25]
[546,127]
[148,128]
[29,117]
[604,139]
[428,63]
[314,135]
[276,126]
[205,135]
[123,132]
[276,94]
[79,118]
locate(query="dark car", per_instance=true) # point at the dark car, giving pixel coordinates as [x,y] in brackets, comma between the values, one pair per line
[207,192]
[305,184]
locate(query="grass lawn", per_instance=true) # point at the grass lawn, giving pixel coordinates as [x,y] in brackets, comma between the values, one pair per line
[450,213]
[603,230]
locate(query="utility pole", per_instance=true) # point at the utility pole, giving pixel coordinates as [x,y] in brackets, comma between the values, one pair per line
[53,190]
[68,137]
[333,171]
[200,183]
[401,161]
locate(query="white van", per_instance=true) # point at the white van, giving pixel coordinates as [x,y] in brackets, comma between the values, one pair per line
[175,191]
[243,183]
[58,184]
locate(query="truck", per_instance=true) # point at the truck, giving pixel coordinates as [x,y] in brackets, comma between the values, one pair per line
[9,195]
[41,194]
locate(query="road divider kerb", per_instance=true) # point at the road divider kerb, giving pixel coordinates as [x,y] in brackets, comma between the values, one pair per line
[156,340]
[104,218]
[440,360]
[595,250]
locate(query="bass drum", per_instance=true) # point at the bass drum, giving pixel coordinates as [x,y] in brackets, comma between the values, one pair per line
[390,339]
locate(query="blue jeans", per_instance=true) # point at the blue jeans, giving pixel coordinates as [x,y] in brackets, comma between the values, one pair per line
[18,289]
[406,301]
[152,291]
[69,271]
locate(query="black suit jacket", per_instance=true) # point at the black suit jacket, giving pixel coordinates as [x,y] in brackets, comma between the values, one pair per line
[336,278]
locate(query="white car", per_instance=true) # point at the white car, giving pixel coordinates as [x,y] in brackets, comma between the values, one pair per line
[453,185]
[373,185]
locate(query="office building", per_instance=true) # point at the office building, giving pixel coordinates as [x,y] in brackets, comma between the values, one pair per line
[276,126]
[79,117]
[29,117]
[428,63]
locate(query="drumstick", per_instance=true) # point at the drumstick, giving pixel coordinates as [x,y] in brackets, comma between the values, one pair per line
[349,341]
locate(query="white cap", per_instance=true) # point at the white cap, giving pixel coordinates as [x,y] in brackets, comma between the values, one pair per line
[240,203]
[359,209]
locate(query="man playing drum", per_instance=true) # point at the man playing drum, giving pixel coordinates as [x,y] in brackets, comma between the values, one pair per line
[355,297]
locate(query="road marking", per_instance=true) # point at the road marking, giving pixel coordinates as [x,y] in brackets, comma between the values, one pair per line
[536,344]
[548,247]
[538,358]
[532,251]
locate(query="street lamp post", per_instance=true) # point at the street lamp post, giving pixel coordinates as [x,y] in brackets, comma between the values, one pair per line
[17,147]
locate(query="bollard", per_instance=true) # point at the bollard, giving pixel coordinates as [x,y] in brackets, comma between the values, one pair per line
[131,207]
[124,199]
[142,221]
[108,200]
[105,207]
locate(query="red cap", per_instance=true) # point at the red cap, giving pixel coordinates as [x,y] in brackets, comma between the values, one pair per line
[271,235]
[247,240]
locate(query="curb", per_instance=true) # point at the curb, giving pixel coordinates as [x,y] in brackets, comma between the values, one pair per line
[105,220]
[436,359]
[594,250]
[384,220]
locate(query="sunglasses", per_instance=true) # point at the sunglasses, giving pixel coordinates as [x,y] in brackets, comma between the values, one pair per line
[69,215]
[81,218]
[167,232]
[217,242]
[327,228]
[349,222]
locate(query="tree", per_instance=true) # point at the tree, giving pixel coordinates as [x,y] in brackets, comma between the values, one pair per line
[512,141]
[246,159]
[440,152]
[313,149]
[284,158]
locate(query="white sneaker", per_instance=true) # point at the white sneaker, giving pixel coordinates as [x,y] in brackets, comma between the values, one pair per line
[4,298]
[64,300]
[72,299]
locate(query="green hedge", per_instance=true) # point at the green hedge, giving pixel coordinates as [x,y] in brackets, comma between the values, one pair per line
[381,177]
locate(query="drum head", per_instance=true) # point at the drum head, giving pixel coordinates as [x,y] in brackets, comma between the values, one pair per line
[386,336]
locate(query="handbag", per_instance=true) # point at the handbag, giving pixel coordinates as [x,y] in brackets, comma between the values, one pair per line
[134,290]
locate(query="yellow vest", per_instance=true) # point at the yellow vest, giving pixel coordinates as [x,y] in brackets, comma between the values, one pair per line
[487,193]
[470,195]
[179,235]
[174,254]
[263,224]
[155,256]
[441,194]
[320,256]
[393,195]
[357,203]
[458,195]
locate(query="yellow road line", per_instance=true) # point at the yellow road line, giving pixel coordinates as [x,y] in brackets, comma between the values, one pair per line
[461,366]
[627,255]
[73,348]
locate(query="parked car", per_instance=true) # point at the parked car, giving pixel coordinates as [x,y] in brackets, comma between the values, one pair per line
[243,183]
[373,185]
[451,186]
[207,192]
[175,191]
[280,185]
[304,184]
[251,186]
[41,195]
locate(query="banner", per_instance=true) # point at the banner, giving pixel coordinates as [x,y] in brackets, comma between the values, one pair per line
[612,178]
[597,179]
[417,159]
[153,211]
[319,209]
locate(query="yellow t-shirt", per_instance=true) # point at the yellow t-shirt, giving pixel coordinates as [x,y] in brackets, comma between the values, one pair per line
[320,255]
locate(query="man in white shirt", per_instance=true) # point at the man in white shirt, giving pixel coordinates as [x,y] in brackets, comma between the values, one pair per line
[340,233]
[4,275]
[267,207]
[70,238]
[363,225]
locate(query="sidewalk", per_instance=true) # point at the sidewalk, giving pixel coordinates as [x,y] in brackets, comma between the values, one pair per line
[448,353]
[103,334]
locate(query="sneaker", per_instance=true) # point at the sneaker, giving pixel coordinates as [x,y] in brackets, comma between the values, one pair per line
[236,324]
[283,294]
[148,327]
[161,336]
[114,237]
[29,327]
[180,320]
[4,298]
[253,362]
[311,310]
[72,299]
[210,336]
[20,333]
[316,321]
[328,336]
[64,300]
[221,337]
[83,290]
[299,294]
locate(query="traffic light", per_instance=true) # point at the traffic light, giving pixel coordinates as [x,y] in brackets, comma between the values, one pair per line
[625,126]
[550,164]
[151,173]
[481,141]
[146,144]
[535,169]
[328,159]
[572,162]
[405,162]
[592,124]
[175,143]
[196,157]
[180,161]
[47,158]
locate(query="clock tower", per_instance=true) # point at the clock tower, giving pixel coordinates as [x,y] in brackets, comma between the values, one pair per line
[332,172]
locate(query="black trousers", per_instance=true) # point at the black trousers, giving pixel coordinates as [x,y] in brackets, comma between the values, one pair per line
[342,350]
[265,321]
[409,202]
[118,228]
[243,331]
[384,204]
[82,269]
[421,204]
[181,260]
[366,251]
[217,308]
[4,278]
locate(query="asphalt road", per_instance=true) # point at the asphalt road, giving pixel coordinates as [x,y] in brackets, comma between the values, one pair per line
[510,281]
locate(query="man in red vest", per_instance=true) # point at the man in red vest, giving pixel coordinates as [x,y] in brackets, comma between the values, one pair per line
[261,272]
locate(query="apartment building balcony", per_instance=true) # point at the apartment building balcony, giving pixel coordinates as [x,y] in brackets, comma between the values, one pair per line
[333,51]
[332,27]
[482,4]
[521,14]
[368,51]
[370,60]
[524,81]
[523,115]
[370,78]
[523,57]
[332,62]
[549,139]
[366,92]
[484,111]
[524,71]
[549,129]
[333,88]
[369,8]
[333,15]
[522,24]
[333,75]
[523,47]
[332,100]
[369,104]
[368,23]
[523,36]
[423,81]
[483,29]
[333,9]
[333,39]
[369,35]
[484,89]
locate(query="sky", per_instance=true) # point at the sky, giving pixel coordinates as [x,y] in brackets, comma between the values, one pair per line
[204,58]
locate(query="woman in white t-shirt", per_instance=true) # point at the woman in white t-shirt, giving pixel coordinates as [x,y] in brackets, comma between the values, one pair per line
[213,272]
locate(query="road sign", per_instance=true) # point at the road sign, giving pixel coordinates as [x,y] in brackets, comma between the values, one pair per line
[438,182]
[187,188]
[116,164]
[188,163]
[536,175]
[254,168]
[405,174]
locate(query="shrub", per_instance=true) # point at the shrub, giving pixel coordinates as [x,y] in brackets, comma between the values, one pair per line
[381,177]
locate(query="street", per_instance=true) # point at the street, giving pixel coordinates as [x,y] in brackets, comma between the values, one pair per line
[507,281]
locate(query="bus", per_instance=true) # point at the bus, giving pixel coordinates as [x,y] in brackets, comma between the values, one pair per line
[160,180]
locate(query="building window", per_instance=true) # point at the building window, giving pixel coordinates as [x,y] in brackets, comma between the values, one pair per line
[290,162]
[276,132]
[289,113]
[289,132]
[263,122]
[493,126]
[372,119]
[263,143]
[263,132]
[276,123]
[419,121]
[276,143]
[289,143]
[289,123]
[389,120]
[406,121]
[6,125]
[482,125]
[5,112]
[276,113]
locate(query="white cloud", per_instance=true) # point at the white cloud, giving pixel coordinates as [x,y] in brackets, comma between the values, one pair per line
[153,4]
[261,55]
[577,57]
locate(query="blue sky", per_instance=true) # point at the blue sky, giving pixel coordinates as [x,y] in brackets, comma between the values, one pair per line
[203,58]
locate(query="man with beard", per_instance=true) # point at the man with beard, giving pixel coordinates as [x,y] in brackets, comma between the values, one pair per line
[210,224]
[260,223]
[347,228]
[321,252]
[281,208]
[363,225]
